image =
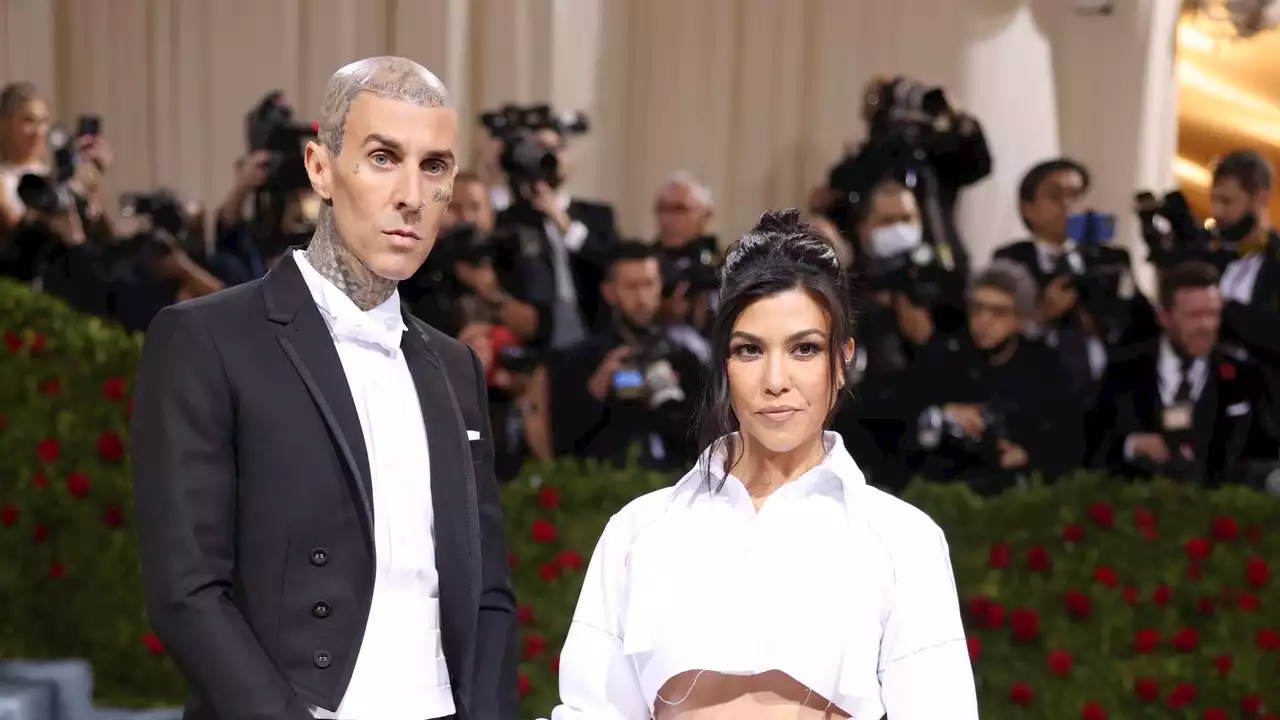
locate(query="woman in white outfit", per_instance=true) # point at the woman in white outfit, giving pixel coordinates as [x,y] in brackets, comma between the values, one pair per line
[771,581]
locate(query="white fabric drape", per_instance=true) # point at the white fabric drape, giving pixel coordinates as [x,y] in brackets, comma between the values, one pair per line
[756,97]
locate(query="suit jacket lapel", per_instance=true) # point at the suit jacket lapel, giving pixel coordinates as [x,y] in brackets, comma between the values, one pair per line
[454,504]
[306,341]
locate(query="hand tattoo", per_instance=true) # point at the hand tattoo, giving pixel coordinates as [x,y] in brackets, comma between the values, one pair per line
[335,261]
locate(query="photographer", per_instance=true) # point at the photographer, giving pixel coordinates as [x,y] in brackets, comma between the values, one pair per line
[1185,406]
[688,255]
[917,137]
[555,247]
[633,383]
[991,405]
[896,293]
[1241,195]
[1088,304]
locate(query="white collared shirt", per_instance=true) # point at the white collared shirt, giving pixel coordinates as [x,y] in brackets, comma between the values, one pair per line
[400,673]
[1169,372]
[860,597]
[1240,277]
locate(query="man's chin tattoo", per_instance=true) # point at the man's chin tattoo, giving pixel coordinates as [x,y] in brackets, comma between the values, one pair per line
[335,262]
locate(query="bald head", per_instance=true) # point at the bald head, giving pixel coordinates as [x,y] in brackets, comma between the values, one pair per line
[393,78]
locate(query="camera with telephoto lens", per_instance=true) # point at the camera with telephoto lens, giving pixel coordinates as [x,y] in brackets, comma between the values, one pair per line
[49,194]
[694,264]
[646,375]
[518,360]
[169,223]
[914,273]
[1174,234]
[270,126]
[525,159]
[911,113]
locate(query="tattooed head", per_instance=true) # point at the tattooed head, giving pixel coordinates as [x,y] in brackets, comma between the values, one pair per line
[384,164]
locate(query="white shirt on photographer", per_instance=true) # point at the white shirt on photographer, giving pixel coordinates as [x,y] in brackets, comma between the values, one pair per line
[10,176]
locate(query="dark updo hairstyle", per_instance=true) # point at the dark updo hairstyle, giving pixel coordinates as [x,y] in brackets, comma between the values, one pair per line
[781,253]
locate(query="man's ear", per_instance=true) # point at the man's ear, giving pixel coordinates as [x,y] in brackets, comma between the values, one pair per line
[608,295]
[319,169]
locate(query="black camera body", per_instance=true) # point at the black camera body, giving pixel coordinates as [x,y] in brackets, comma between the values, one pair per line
[910,113]
[48,194]
[525,159]
[915,274]
[518,360]
[270,126]
[1174,234]
[696,264]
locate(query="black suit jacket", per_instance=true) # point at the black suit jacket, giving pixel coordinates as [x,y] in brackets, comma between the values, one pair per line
[254,511]
[1229,417]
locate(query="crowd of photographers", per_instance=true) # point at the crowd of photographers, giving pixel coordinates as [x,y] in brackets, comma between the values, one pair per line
[1046,361]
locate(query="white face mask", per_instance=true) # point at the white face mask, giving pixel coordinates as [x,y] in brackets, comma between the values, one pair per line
[895,239]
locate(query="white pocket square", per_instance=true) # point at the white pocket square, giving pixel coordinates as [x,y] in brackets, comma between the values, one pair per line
[1240,408]
[473,435]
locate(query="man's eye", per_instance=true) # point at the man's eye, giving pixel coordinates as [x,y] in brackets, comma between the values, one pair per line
[435,167]
[380,158]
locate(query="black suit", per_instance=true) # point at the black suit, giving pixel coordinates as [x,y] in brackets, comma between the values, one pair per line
[1229,423]
[254,511]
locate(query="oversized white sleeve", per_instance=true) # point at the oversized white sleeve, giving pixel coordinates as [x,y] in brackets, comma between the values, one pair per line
[597,681]
[924,660]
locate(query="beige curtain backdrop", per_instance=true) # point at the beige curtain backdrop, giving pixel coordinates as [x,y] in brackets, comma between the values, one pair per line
[756,97]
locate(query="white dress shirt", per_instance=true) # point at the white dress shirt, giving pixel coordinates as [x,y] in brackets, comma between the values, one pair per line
[1240,277]
[1169,379]
[400,673]
[680,576]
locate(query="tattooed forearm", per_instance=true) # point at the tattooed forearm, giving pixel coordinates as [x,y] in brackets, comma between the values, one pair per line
[388,77]
[442,195]
[332,259]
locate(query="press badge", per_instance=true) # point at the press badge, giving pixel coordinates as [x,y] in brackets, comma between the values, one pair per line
[1177,417]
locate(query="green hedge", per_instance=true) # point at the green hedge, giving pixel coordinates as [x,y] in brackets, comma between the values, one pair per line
[1087,599]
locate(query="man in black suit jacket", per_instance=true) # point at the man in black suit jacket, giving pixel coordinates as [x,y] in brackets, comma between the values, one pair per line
[290,433]
[1185,406]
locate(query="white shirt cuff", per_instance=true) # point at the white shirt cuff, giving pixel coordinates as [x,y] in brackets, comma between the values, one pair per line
[576,236]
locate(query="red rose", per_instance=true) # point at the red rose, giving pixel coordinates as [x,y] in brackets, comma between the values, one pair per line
[77,484]
[1072,533]
[1247,602]
[1255,571]
[1038,559]
[48,450]
[37,344]
[524,614]
[1105,576]
[1253,533]
[110,447]
[8,515]
[56,571]
[1131,595]
[1193,571]
[523,685]
[995,616]
[1020,694]
[1092,711]
[1143,518]
[1182,695]
[999,555]
[1215,714]
[975,646]
[1144,641]
[1197,549]
[1227,371]
[1251,704]
[1267,640]
[39,480]
[548,498]
[1025,624]
[555,664]
[1148,690]
[543,531]
[1102,514]
[1222,663]
[1205,606]
[976,606]
[40,533]
[152,643]
[1225,529]
[113,389]
[548,571]
[1185,640]
[533,646]
[1148,532]
[569,560]
[1059,662]
[13,341]
[113,516]
[1078,604]
[1161,595]
[50,387]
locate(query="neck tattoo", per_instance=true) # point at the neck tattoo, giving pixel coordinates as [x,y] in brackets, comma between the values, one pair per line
[335,262]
